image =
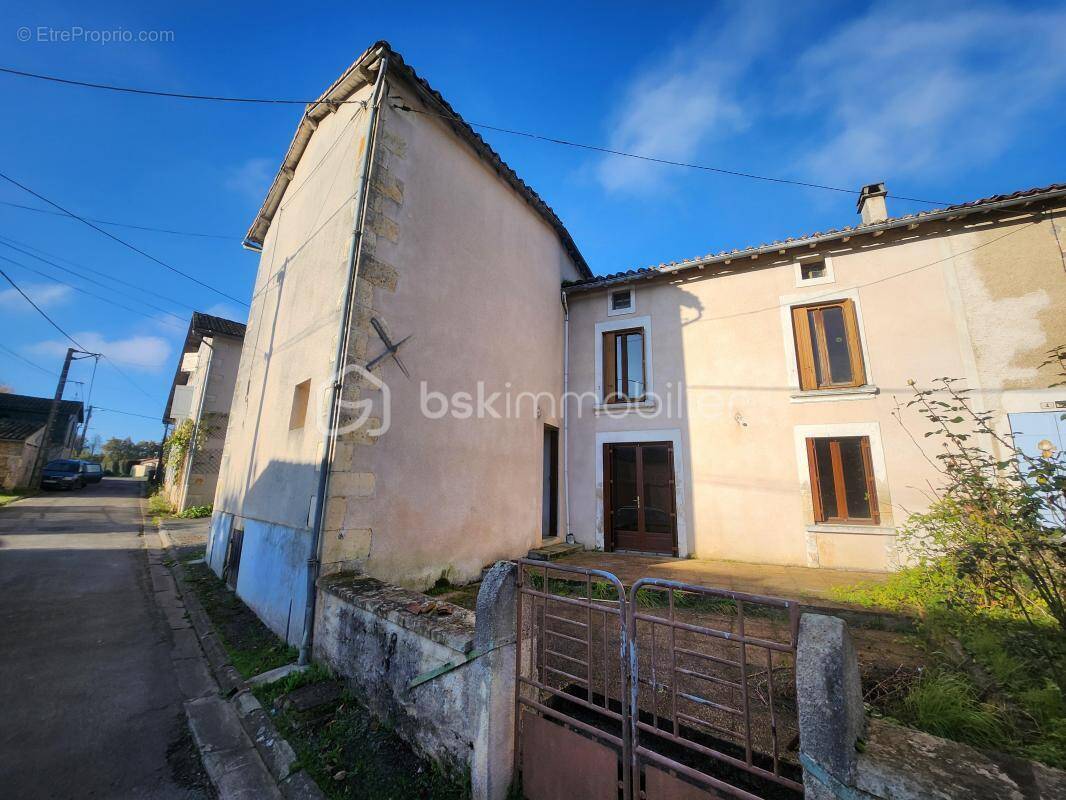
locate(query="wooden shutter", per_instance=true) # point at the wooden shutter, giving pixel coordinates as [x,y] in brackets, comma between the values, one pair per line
[816,482]
[851,325]
[871,488]
[609,375]
[804,352]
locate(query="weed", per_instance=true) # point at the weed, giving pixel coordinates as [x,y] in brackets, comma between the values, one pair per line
[159,505]
[946,704]
[196,512]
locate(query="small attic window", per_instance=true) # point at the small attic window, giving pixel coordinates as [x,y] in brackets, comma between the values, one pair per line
[815,269]
[620,301]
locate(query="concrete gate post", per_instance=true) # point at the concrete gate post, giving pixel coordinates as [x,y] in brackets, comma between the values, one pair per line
[493,687]
[829,700]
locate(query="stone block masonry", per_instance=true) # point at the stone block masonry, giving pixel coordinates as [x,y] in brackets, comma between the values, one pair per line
[347,540]
[845,756]
[445,683]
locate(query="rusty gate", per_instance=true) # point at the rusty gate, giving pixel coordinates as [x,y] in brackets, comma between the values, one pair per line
[669,690]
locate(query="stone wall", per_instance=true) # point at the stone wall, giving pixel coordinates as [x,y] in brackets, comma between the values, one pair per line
[846,756]
[460,712]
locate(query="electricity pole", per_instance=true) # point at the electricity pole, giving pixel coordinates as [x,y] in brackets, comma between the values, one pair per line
[42,451]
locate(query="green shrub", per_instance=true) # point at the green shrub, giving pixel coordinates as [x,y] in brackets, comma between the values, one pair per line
[159,506]
[945,704]
[196,512]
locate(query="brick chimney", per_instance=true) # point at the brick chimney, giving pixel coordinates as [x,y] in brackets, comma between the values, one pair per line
[871,203]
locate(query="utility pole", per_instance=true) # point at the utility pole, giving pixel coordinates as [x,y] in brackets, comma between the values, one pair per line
[42,451]
[84,431]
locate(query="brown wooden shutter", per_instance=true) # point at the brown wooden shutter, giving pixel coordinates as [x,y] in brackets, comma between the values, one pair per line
[816,483]
[851,325]
[804,352]
[871,487]
[609,376]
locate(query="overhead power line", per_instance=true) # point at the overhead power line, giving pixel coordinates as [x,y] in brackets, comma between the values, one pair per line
[654,160]
[26,361]
[175,95]
[123,242]
[41,311]
[95,296]
[127,413]
[8,242]
[124,224]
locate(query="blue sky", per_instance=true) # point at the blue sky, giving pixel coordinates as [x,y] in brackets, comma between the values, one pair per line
[944,101]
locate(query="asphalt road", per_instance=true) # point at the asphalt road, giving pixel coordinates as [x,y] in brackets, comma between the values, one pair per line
[89,704]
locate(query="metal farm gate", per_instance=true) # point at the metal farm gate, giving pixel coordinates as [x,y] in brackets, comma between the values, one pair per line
[669,690]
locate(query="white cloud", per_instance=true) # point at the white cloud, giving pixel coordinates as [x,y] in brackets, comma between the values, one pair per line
[43,294]
[688,99]
[148,353]
[908,90]
[252,178]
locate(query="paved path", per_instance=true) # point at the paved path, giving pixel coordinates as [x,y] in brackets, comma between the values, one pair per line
[89,703]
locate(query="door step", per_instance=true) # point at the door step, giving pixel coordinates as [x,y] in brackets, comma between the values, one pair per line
[552,549]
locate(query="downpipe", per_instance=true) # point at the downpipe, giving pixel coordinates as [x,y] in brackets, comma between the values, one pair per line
[566,416]
[355,252]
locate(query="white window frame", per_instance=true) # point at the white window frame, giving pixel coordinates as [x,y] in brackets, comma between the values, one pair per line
[799,395]
[611,312]
[672,435]
[621,325]
[829,277]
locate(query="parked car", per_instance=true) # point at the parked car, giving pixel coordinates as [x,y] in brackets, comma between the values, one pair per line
[63,473]
[93,472]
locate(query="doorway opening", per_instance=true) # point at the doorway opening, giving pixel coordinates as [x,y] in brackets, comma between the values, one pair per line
[549,514]
[639,497]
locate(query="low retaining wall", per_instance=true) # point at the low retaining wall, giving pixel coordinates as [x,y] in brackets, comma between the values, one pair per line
[461,712]
[846,756]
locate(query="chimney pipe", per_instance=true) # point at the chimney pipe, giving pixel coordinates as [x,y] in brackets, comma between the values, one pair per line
[871,205]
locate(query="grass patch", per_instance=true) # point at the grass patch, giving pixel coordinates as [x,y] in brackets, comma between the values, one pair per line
[945,704]
[252,647]
[1018,704]
[464,596]
[196,512]
[15,494]
[350,754]
[159,506]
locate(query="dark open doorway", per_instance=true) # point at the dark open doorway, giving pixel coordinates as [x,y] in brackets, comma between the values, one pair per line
[549,516]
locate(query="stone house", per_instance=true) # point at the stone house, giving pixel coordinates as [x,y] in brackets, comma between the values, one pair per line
[19,443]
[22,422]
[743,405]
[201,393]
[389,218]
[432,378]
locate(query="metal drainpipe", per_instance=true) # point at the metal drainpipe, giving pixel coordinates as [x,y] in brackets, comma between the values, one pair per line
[354,257]
[566,415]
[196,428]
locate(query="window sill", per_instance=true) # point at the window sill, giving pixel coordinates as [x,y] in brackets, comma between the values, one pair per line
[821,395]
[867,530]
[618,409]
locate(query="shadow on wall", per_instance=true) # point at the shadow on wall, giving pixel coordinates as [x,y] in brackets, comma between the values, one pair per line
[269,559]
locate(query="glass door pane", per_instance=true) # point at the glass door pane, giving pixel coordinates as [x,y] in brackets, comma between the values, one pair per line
[658,497]
[624,491]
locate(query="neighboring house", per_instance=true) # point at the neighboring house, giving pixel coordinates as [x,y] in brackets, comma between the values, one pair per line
[23,418]
[691,412]
[756,389]
[199,402]
[445,244]
[144,468]
[19,443]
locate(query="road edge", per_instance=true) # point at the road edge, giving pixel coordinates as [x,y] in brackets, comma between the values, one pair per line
[241,750]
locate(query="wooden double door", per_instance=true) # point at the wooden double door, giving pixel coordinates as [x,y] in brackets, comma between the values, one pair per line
[639,497]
